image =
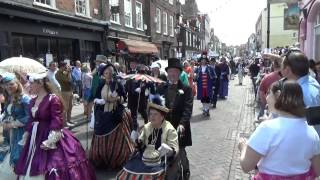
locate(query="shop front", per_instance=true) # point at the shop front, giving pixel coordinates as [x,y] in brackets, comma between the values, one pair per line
[56,39]
[124,45]
[310,29]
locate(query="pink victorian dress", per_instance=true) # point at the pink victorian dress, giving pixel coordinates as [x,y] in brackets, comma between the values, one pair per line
[64,157]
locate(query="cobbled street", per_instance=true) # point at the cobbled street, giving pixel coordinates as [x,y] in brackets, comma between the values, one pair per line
[214,154]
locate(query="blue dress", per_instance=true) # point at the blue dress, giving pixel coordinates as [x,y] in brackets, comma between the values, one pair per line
[19,113]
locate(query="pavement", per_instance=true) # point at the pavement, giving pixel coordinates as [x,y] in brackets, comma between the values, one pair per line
[214,154]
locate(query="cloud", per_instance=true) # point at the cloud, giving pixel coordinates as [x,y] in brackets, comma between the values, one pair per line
[233,20]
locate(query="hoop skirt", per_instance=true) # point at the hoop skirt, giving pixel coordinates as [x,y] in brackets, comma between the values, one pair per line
[65,162]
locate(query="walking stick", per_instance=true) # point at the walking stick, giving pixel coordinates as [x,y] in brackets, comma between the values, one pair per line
[87,143]
[139,98]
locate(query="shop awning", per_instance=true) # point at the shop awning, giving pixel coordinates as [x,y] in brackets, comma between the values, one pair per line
[138,46]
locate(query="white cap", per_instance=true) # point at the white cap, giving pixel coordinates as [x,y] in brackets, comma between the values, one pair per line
[36,76]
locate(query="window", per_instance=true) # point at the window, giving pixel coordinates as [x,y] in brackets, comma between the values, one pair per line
[190,40]
[139,17]
[82,7]
[187,40]
[171,1]
[194,41]
[128,13]
[45,3]
[171,28]
[317,38]
[165,23]
[158,20]
[114,9]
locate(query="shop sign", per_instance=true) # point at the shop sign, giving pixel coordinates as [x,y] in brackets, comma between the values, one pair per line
[49,31]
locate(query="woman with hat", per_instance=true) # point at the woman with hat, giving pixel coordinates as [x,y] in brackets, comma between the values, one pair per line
[111,144]
[13,121]
[49,150]
[205,76]
[157,145]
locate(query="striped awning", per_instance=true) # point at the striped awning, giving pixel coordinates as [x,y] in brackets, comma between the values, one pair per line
[135,46]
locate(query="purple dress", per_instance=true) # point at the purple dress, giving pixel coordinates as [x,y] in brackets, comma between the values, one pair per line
[67,161]
[224,80]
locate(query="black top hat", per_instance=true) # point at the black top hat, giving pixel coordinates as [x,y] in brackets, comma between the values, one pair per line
[174,63]
[133,59]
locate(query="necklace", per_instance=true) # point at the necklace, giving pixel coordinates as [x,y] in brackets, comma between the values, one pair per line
[155,136]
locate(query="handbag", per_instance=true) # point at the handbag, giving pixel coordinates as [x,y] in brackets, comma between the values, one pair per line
[313,115]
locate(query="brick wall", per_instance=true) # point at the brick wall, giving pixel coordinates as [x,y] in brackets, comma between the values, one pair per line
[65,5]
[122,26]
[171,11]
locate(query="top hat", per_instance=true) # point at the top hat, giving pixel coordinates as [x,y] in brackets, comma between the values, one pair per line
[133,59]
[174,63]
[204,56]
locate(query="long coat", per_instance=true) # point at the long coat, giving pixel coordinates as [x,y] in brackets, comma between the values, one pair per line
[104,121]
[211,78]
[181,111]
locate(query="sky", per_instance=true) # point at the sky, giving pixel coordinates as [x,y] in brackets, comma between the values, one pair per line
[233,20]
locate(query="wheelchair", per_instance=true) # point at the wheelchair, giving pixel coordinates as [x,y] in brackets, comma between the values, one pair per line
[169,169]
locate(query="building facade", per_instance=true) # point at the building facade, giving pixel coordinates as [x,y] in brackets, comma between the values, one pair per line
[309,36]
[52,30]
[279,35]
[261,30]
[192,30]
[162,21]
[128,32]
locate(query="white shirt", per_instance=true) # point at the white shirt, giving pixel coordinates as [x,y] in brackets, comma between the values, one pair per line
[203,68]
[287,145]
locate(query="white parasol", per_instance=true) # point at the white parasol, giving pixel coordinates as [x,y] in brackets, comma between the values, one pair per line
[22,65]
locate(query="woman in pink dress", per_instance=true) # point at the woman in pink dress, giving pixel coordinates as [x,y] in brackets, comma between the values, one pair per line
[50,152]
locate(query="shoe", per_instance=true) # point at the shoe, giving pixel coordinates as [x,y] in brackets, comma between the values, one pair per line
[214,106]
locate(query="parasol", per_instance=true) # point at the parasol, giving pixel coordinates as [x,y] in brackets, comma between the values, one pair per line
[143,78]
[22,65]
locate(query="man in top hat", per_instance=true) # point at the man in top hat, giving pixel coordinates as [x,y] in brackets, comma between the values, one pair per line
[133,65]
[179,99]
[137,97]
[206,78]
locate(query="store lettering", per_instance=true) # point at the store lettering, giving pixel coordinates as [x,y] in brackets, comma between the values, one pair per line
[49,31]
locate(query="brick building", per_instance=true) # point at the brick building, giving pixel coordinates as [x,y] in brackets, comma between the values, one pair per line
[128,35]
[162,17]
[192,30]
[52,29]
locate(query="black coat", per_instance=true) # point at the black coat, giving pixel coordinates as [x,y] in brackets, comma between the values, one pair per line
[107,121]
[181,112]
